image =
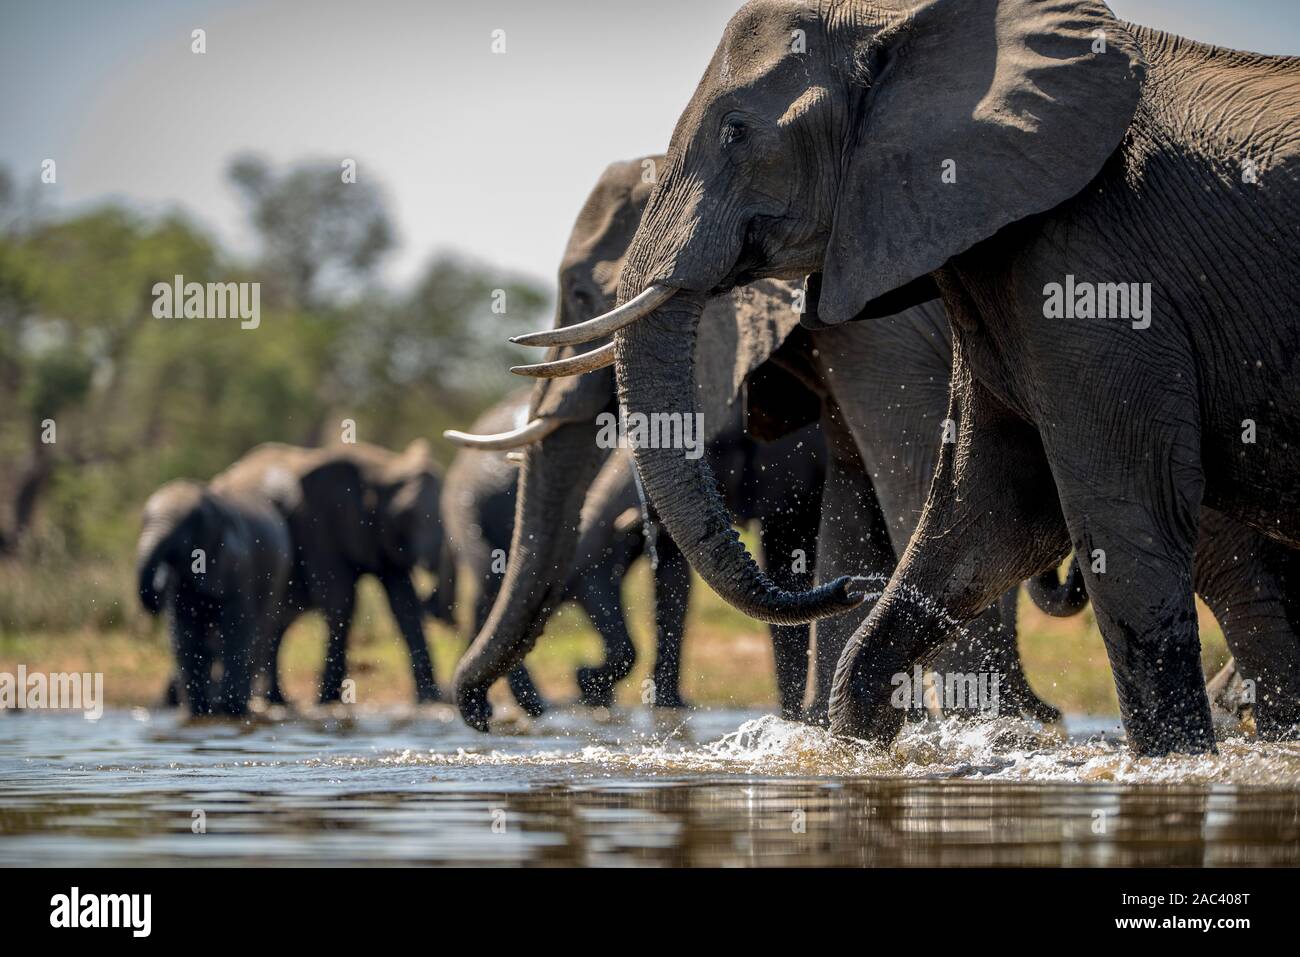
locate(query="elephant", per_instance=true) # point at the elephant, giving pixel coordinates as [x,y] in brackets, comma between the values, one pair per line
[748,356]
[217,557]
[1108,215]
[479,512]
[351,510]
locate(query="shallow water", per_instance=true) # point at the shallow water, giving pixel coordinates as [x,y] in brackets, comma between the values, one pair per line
[587,788]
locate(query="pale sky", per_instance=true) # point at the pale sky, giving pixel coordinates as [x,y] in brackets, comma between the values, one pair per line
[491,155]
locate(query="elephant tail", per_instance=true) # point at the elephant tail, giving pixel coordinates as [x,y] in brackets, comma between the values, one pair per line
[442,603]
[1057,598]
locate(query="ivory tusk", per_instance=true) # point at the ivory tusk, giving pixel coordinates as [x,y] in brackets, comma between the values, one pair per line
[574,365]
[534,431]
[626,314]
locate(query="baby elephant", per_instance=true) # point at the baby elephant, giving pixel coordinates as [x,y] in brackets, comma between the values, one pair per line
[217,557]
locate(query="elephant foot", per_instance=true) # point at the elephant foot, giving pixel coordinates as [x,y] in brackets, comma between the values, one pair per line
[533,704]
[171,696]
[232,709]
[429,695]
[1273,723]
[595,687]
[1041,711]
[525,692]
[472,703]
[670,697]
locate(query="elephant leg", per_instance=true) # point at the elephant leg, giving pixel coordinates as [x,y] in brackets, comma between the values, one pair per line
[672,598]
[522,686]
[239,641]
[525,691]
[171,696]
[1145,610]
[274,692]
[1247,581]
[193,657]
[338,618]
[789,545]
[1134,522]
[600,594]
[987,650]
[991,520]
[409,614]
[852,539]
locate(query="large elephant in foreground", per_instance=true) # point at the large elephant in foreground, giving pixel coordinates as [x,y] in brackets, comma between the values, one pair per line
[1111,218]
[751,352]
[217,558]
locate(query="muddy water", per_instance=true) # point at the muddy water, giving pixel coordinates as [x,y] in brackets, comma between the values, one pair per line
[584,788]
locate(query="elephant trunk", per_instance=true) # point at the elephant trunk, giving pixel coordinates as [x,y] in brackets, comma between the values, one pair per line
[553,482]
[442,603]
[656,374]
[1056,598]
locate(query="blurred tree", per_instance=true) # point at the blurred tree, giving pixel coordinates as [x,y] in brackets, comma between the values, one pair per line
[320,236]
[73,298]
[138,400]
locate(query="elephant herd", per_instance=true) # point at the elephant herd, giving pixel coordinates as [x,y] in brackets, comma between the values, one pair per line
[955,288]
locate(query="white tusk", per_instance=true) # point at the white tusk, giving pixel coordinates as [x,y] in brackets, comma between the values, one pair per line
[534,431]
[574,365]
[626,314]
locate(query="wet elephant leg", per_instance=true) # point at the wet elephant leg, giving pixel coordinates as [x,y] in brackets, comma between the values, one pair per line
[991,520]
[1136,553]
[600,594]
[239,641]
[987,649]
[672,598]
[1249,583]
[171,696]
[409,615]
[338,609]
[189,629]
[274,691]
[852,539]
[789,547]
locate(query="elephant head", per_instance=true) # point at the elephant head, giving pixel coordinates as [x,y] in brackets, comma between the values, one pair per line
[866,144]
[180,518]
[561,437]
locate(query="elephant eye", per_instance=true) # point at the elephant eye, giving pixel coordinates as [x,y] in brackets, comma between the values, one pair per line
[733,132]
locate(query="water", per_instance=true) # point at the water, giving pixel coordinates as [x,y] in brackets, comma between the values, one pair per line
[588,788]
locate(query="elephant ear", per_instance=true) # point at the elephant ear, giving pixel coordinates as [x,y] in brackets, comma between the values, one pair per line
[737,334]
[975,114]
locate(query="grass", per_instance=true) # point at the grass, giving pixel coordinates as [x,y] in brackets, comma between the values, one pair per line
[80,617]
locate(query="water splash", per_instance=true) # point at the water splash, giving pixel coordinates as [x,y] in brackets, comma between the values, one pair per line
[1002,749]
